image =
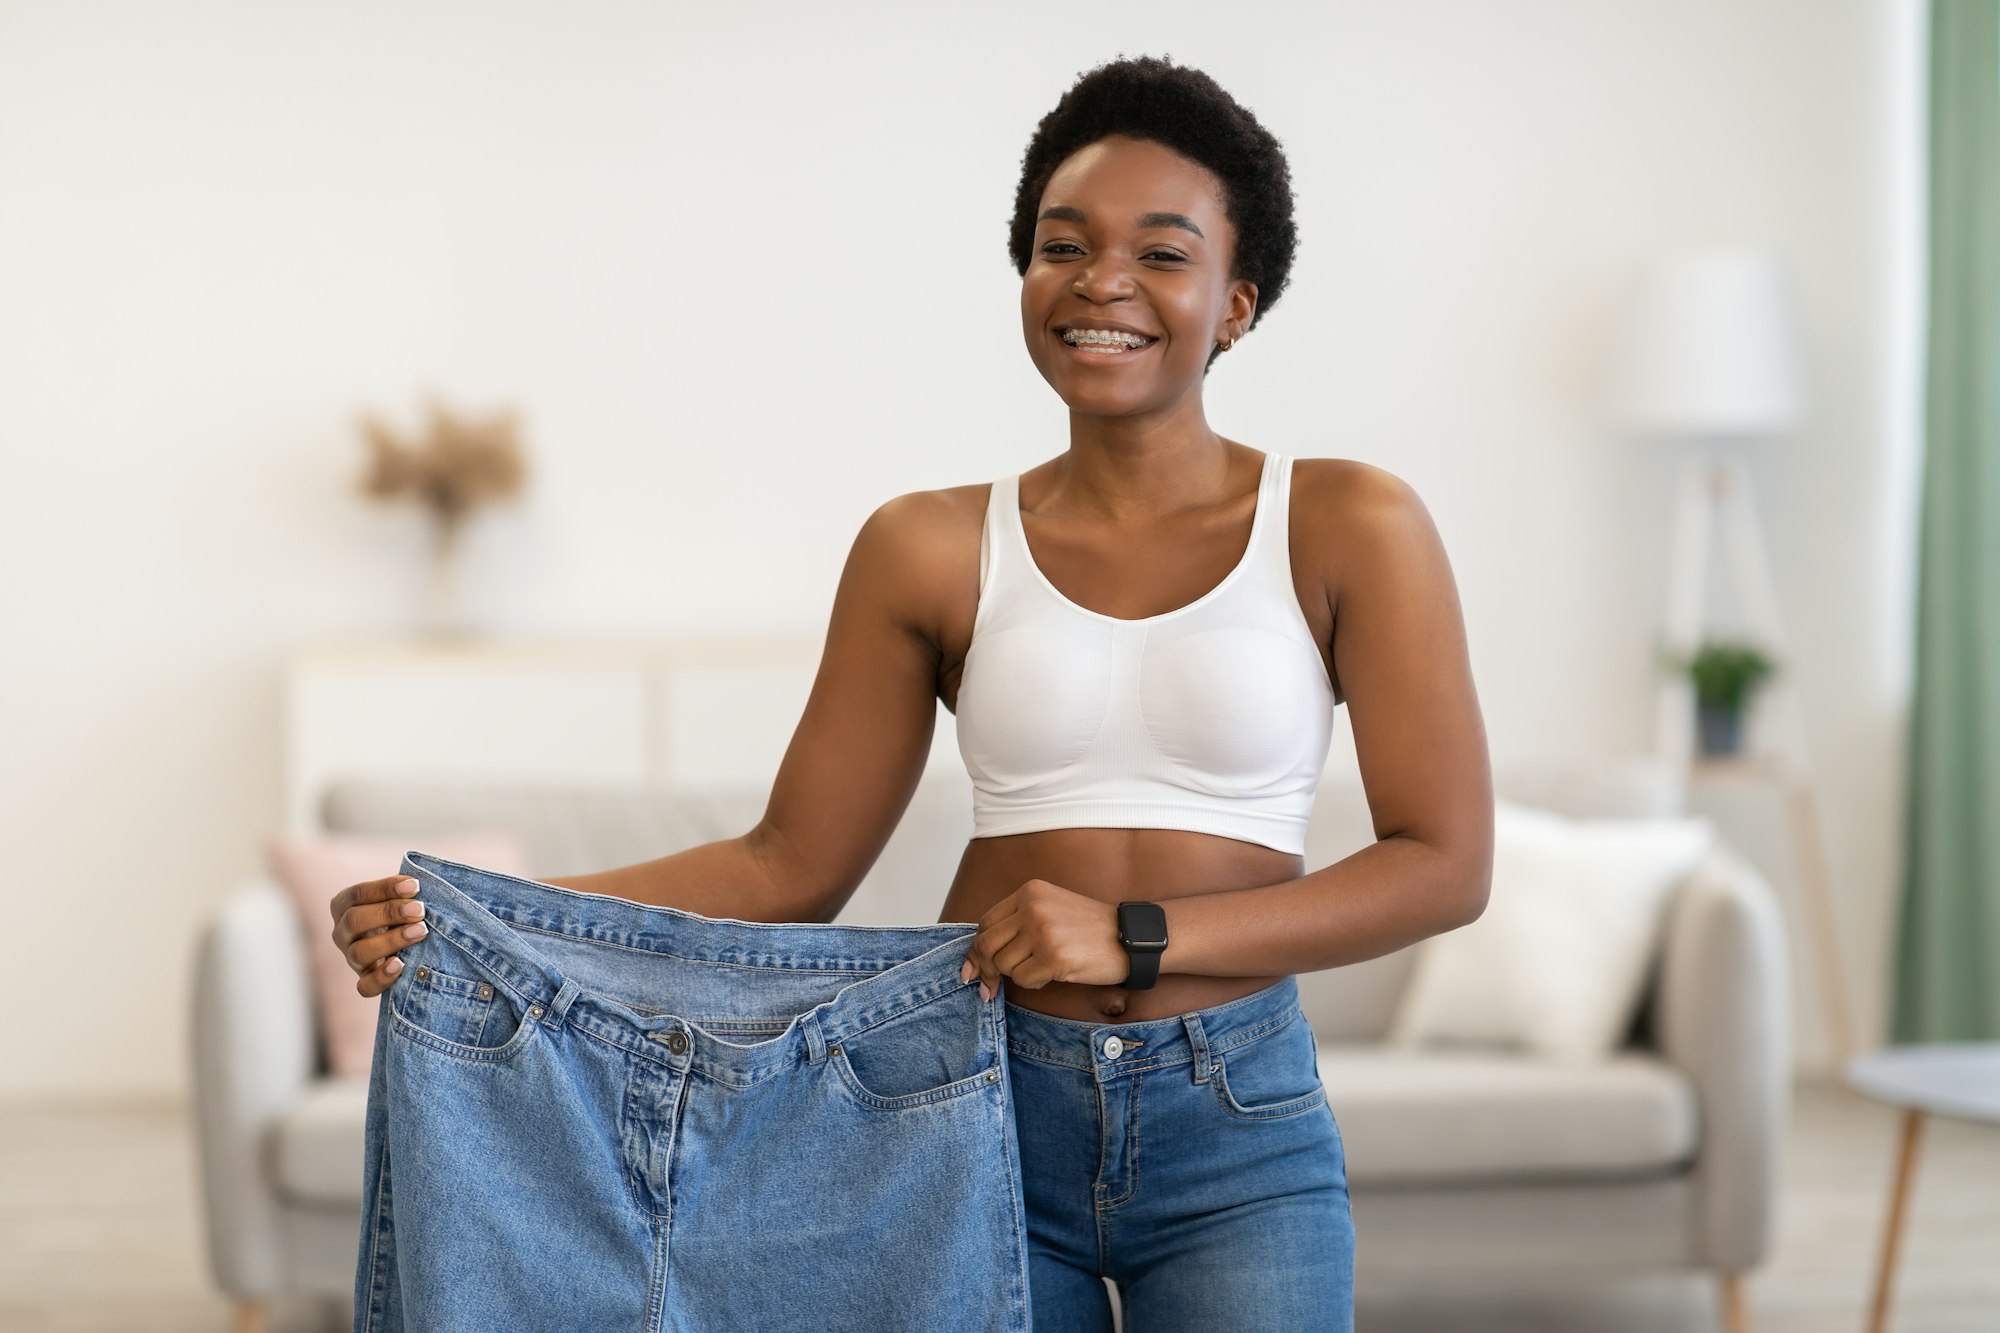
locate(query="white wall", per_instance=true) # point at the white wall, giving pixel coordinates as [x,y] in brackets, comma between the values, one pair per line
[702,247]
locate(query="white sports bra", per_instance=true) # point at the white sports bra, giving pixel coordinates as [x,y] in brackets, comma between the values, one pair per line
[1213,717]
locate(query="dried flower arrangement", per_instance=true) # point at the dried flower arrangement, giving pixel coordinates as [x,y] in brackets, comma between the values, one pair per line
[455,468]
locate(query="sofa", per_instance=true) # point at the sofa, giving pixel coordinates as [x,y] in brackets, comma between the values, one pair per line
[1663,1158]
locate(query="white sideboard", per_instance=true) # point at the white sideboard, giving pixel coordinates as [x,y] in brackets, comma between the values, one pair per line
[694,712]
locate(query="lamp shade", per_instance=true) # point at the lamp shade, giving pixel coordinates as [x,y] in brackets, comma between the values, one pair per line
[1710,347]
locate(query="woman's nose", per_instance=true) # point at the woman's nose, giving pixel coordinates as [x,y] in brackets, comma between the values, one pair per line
[1102,275]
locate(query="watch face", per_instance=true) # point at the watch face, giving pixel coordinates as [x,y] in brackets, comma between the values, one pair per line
[1142,925]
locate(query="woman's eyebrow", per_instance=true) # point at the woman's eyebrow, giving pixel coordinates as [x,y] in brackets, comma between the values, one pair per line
[1065,213]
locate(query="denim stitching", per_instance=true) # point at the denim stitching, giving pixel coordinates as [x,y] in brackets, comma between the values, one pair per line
[949,1092]
[1313,1099]
[845,967]
[375,1250]
[1132,1120]
[1272,1112]
[502,1054]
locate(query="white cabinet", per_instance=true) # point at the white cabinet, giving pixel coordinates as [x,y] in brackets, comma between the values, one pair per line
[612,714]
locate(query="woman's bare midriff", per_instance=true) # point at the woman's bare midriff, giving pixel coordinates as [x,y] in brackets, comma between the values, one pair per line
[1114,865]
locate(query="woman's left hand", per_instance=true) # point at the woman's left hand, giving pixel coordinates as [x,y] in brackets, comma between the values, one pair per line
[1042,932]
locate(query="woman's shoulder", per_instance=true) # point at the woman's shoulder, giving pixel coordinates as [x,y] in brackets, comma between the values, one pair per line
[923,516]
[923,550]
[1336,494]
[1344,478]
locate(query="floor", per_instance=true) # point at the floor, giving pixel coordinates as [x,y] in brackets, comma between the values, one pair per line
[99,1232]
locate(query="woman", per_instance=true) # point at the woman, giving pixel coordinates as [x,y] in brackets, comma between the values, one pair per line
[1139,640]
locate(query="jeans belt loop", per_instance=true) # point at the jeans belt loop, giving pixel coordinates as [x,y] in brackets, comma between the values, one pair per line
[815,1039]
[560,1005]
[1199,1040]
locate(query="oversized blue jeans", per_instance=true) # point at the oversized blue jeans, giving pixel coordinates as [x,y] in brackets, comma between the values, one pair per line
[588,1113]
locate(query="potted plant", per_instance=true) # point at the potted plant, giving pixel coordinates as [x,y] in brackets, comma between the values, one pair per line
[1724,675]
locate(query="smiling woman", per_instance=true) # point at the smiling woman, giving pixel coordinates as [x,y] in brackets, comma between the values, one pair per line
[1143,640]
[1161,754]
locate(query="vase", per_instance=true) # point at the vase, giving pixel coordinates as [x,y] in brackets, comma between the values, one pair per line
[1721,729]
[444,618]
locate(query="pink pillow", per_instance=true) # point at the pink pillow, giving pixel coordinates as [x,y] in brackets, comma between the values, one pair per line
[317,866]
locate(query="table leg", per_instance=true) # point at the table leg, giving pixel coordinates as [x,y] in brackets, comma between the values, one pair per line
[1906,1170]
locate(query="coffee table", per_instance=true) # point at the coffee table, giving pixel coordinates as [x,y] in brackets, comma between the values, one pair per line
[1960,1079]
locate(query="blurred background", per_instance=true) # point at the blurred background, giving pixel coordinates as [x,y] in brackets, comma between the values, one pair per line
[648,306]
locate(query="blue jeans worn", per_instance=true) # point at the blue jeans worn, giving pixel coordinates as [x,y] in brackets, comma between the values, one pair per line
[590,1114]
[1193,1160]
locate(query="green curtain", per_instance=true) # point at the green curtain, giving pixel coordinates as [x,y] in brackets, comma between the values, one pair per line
[1947,984]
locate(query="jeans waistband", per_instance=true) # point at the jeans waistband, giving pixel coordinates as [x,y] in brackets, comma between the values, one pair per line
[758,967]
[1180,1039]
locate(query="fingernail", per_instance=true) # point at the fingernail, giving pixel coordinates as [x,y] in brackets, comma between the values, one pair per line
[406,886]
[984,993]
[965,972]
[393,965]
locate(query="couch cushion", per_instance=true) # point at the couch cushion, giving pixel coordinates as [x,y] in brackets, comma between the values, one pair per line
[316,1146]
[1557,964]
[1430,1117]
[1359,1002]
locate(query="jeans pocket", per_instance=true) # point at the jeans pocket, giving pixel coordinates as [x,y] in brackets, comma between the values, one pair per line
[450,1002]
[1273,1075]
[933,1053]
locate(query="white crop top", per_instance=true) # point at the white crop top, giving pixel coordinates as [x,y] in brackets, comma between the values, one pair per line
[1213,717]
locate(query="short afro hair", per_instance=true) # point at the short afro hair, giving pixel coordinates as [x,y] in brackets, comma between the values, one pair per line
[1148,97]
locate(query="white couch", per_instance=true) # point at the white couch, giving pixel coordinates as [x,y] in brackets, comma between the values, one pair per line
[1664,1158]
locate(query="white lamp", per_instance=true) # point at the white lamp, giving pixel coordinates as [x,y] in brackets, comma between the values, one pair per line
[1711,351]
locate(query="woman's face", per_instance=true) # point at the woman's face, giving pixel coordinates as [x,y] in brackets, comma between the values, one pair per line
[1129,234]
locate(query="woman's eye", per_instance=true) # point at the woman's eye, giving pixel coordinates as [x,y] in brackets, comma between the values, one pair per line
[1054,246]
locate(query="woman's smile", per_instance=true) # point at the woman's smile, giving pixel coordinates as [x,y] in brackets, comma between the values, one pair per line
[1087,350]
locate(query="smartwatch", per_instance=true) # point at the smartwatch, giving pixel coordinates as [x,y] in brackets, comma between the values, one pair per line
[1142,929]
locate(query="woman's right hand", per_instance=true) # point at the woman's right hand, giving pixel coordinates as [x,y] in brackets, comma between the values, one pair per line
[371,921]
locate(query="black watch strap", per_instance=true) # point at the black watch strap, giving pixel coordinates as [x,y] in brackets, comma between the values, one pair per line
[1142,929]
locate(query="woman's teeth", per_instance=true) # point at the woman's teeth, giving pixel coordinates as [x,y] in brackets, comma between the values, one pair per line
[1109,342]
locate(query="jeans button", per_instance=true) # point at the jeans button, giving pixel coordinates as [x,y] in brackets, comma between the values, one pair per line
[1113,1048]
[677,1042]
